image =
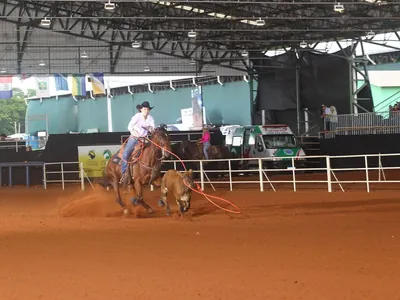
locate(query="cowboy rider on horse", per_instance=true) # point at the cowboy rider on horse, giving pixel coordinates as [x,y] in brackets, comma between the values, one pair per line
[139,126]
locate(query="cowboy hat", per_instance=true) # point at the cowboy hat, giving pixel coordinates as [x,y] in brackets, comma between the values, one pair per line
[144,104]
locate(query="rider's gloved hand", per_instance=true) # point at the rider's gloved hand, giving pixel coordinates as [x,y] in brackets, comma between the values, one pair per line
[148,128]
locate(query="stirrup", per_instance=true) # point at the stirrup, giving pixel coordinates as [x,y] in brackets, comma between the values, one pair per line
[123,178]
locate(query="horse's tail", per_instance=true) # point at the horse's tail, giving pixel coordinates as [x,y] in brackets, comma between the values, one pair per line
[104,181]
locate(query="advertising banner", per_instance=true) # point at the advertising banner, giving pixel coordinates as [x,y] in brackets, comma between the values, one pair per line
[197,106]
[187,117]
[94,158]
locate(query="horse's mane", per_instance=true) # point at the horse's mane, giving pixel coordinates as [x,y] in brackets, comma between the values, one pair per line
[162,126]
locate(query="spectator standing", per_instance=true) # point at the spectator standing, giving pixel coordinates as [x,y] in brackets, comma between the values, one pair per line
[326,114]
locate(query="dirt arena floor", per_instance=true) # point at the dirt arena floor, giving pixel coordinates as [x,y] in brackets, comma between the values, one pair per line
[70,244]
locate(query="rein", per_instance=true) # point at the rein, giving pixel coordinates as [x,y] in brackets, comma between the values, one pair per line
[154,168]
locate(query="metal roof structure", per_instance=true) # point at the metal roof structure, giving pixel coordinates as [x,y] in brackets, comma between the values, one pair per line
[189,37]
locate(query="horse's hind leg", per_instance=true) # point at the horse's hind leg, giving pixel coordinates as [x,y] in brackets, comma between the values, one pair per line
[118,200]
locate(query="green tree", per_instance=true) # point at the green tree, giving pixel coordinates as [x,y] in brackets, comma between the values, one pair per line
[13,110]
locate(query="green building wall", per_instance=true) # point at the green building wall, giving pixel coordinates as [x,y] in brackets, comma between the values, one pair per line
[62,115]
[229,104]
[92,113]
[383,96]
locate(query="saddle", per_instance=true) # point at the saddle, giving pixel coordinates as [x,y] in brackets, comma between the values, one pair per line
[117,157]
[211,151]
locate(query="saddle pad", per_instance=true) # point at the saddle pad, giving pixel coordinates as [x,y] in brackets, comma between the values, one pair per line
[116,159]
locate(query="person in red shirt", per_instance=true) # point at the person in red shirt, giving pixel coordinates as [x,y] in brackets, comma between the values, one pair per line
[205,140]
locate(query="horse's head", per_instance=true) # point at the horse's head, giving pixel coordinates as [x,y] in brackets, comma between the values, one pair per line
[161,138]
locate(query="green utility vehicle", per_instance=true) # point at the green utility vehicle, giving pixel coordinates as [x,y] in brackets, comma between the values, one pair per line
[273,141]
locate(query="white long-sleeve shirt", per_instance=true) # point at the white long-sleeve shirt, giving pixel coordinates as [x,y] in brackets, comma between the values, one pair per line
[137,123]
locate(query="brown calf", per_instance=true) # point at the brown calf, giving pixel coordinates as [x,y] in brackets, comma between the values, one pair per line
[177,183]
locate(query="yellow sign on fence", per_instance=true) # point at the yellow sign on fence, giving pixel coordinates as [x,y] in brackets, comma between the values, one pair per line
[94,158]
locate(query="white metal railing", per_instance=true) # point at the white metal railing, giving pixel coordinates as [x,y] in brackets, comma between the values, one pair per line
[7,144]
[330,173]
[363,123]
[62,170]
[366,170]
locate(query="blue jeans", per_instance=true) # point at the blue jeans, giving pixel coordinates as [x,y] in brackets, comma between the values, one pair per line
[206,146]
[129,147]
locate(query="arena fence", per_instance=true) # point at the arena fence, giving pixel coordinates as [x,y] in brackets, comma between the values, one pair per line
[63,172]
[334,172]
[341,173]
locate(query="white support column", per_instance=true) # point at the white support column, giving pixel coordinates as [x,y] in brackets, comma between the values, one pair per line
[109,111]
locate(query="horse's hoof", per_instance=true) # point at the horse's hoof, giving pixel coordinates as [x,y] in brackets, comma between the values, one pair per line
[126,212]
[150,211]
[160,203]
[135,201]
[168,213]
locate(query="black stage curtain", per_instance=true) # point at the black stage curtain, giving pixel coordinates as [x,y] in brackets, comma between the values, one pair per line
[323,79]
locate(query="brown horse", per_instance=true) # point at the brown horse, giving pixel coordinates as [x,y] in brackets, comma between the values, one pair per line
[145,167]
[194,151]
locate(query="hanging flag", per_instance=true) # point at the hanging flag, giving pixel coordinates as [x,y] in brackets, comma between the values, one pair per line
[61,81]
[97,80]
[43,88]
[78,85]
[6,91]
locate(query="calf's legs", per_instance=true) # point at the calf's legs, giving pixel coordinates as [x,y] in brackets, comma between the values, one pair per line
[163,201]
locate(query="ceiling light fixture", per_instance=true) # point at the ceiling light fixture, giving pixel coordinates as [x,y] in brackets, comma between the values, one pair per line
[370,34]
[146,68]
[109,5]
[303,44]
[338,8]
[45,22]
[192,34]
[244,53]
[135,44]
[84,55]
[260,22]
[42,63]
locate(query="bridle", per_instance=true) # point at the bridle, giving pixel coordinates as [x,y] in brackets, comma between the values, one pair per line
[163,152]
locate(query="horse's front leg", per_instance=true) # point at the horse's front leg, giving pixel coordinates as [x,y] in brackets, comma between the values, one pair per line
[139,197]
